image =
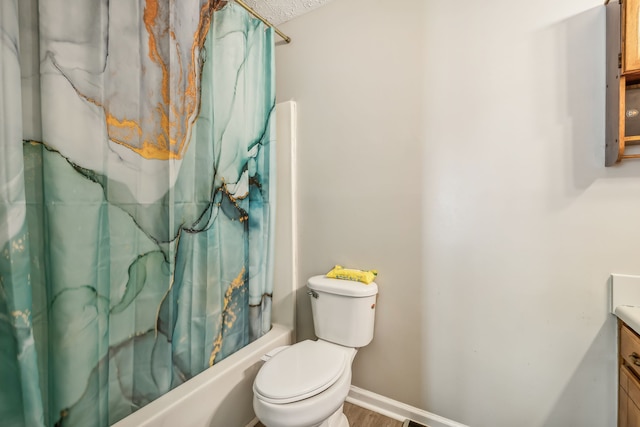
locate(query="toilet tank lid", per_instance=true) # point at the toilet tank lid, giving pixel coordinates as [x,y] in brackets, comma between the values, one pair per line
[342,287]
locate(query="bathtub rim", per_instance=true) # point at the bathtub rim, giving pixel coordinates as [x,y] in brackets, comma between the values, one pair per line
[152,413]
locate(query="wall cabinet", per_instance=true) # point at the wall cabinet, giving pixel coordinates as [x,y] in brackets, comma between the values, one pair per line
[629,377]
[622,132]
[629,32]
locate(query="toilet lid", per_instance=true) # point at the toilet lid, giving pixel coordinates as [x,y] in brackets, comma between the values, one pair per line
[301,371]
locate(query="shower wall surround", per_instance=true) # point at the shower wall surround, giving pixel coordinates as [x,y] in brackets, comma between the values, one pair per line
[136,217]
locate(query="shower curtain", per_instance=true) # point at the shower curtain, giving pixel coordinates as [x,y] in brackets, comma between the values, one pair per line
[136,223]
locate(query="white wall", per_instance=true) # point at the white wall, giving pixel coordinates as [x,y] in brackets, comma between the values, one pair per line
[457,147]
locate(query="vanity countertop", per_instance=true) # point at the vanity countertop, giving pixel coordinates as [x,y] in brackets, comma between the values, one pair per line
[625,299]
[629,315]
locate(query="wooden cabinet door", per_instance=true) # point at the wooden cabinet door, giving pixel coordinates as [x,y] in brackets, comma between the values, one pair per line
[630,36]
[623,404]
[623,396]
[633,415]
[628,399]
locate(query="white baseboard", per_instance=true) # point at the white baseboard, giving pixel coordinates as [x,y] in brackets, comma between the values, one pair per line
[396,410]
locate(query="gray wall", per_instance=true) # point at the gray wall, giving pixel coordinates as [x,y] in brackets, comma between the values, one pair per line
[457,147]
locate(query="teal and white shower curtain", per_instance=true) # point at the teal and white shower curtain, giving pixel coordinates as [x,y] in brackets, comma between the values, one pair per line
[136,225]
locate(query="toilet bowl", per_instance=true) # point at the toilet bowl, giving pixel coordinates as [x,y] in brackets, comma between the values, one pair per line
[306,384]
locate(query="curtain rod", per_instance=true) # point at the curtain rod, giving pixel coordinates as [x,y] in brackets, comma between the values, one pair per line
[267,23]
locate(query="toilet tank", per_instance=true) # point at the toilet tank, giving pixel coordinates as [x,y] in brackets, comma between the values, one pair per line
[343,310]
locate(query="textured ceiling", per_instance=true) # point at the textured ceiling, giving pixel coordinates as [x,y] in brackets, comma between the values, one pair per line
[279,11]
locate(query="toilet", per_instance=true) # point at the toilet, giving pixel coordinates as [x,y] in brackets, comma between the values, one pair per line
[306,384]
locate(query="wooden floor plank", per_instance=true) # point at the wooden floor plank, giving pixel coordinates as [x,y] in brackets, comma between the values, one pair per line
[360,417]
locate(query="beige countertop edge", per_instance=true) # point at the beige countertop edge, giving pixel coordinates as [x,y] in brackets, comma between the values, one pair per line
[630,315]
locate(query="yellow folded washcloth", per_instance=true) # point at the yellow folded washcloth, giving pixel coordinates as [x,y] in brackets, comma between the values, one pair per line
[339,272]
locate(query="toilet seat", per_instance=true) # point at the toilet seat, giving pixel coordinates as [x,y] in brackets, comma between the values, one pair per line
[300,371]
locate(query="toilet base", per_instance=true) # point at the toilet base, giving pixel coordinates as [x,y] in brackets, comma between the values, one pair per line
[337,419]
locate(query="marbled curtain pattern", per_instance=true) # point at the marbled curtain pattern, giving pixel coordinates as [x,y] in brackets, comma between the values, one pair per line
[136,228]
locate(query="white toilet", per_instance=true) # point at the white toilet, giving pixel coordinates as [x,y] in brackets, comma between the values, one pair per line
[306,384]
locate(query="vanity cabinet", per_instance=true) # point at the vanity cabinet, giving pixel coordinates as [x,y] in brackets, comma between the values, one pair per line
[629,377]
[630,53]
[622,133]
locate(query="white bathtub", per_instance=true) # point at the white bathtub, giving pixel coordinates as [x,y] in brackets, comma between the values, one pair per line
[222,396]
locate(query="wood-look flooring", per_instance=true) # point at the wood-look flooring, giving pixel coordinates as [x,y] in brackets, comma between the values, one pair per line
[360,417]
